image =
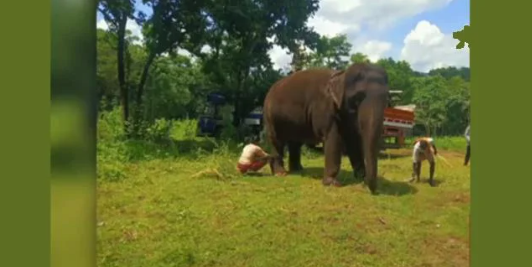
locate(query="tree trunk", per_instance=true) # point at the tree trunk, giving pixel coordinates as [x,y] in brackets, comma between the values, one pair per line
[124,101]
[237,99]
[140,90]
[427,129]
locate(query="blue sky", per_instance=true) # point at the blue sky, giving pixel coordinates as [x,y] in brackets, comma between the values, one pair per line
[449,19]
[418,31]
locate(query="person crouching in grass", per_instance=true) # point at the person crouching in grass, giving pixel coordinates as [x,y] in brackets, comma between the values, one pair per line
[253,157]
[424,149]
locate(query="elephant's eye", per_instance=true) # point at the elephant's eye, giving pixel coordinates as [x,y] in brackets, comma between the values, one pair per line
[354,101]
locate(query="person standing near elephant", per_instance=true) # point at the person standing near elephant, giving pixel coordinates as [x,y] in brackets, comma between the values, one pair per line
[253,157]
[468,150]
[424,149]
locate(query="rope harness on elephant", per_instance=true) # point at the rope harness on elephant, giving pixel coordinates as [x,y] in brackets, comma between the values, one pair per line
[332,82]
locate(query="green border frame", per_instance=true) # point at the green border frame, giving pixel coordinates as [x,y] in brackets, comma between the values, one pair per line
[25,167]
[500,183]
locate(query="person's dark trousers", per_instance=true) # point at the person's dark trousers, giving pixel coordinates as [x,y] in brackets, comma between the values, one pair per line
[467,155]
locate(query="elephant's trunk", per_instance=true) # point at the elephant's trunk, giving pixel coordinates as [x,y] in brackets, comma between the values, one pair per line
[371,119]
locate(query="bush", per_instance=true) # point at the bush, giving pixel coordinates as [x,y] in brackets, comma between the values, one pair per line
[229,131]
[158,131]
[111,158]
[110,126]
[184,129]
[161,139]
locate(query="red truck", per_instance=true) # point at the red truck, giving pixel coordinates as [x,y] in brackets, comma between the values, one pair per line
[398,124]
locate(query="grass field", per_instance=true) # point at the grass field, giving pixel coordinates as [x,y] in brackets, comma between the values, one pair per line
[166,210]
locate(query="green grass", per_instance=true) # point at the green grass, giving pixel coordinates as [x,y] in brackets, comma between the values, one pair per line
[163,208]
[450,143]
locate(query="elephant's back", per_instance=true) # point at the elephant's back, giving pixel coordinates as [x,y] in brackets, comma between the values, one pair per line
[286,105]
[298,88]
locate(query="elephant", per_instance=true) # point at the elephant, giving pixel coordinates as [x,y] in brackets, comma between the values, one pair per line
[344,109]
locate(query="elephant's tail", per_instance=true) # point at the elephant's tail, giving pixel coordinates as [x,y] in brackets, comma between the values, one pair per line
[267,114]
[268,127]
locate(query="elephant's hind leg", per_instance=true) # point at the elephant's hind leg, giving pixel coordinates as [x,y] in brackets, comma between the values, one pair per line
[294,154]
[277,164]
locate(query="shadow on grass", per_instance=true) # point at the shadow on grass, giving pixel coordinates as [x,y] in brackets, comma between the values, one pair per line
[385,187]
[437,182]
[395,188]
[384,155]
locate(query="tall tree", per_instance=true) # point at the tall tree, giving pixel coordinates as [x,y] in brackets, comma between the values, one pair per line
[331,52]
[116,13]
[457,106]
[400,75]
[172,24]
[239,38]
[430,98]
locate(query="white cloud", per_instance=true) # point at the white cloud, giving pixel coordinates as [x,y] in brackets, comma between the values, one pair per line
[363,20]
[376,14]
[101,24]
[135,29]
[374,49]
[426,47]
[279,57]
[329,28]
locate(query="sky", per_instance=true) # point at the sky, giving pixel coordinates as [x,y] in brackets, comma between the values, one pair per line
[417,31]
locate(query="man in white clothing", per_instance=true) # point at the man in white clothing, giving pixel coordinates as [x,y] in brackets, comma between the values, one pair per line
[424,149]
[468,151]
[253,158]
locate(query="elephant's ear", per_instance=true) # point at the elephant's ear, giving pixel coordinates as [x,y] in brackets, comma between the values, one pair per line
[335,88]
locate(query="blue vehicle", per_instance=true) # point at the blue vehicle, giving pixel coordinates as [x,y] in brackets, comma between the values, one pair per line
[254,120]
[210,123]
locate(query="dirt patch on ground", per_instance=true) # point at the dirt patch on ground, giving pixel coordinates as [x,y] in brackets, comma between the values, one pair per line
[446,251]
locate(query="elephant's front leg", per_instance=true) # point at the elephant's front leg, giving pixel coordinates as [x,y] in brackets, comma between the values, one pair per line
[333,157]
[294,151]
[353,143]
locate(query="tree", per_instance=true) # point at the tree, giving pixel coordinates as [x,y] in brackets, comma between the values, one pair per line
[106,71]
[450,72]
[176,88]
[359,58]
[331,52]
[399,76]
[106,67]
[457,106]
[239,38]
[116,13]
[172,24]
[430,98]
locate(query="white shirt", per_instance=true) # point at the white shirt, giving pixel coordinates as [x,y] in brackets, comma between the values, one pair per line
[418,153]
[249,153]
[466,134]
